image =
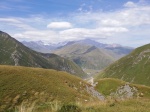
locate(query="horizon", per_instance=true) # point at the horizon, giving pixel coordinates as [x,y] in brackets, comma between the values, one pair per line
[123,22]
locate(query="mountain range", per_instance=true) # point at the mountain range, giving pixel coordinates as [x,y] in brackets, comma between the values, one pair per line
[115,50]
[86,56]
[12,52]
[90,55]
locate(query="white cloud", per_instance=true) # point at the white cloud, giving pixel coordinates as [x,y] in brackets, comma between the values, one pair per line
[34,35]
[10,20]
[130,4]
[82,33]
[15,23]
[119,26]
[59,25]
[111,22]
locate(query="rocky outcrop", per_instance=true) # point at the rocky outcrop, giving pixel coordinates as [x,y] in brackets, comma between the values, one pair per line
[125,92]
[93,92]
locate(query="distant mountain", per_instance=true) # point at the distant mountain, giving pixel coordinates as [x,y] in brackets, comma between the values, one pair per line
[116,50]
[15,53]
[86,56]
[90,54]
[40,46]
[134,67]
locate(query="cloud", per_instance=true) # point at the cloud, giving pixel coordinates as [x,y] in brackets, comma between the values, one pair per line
[130,4]
[111,22]
[82,33]
[120,26]
[34,35]
[15,23]
[59,25]
[10,20]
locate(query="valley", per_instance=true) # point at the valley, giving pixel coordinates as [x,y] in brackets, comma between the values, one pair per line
[77,77]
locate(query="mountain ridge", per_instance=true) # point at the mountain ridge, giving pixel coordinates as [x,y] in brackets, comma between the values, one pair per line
[86,56]
[133,68]
[12,52]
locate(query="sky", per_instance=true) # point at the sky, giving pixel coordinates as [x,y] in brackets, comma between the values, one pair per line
[125,22]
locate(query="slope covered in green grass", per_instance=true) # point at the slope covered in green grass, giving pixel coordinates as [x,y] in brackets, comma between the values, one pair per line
[134,68]
[23,84]
[111,87]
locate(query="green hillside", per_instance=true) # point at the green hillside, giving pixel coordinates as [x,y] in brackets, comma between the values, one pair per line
[13,52]
[86,56]
[134,68]
[22,84]
[24,89]
[111,87]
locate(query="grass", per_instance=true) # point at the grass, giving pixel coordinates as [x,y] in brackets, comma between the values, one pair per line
[24,89]
[132,105]
[18,84]
[107,86]
[134,68]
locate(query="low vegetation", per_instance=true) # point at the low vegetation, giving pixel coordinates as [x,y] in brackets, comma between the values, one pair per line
[133,68]
[35,85]
[108,86]
[132,105]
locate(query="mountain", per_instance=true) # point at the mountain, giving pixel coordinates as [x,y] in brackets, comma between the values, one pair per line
[86,56]
[92,56]
[115,50]
[40,46]
[27,87]
[15,53]
[134,67]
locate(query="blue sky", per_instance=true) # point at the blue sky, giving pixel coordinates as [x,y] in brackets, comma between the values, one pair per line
[125,22]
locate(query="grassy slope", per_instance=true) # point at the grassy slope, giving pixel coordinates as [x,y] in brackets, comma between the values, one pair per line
[86,56]
[30,58]
[48,86]
[109,85]
[134,67]
[132,105]
[65,65]
[41,84]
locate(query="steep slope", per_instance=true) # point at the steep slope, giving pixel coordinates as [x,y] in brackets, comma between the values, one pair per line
[134,68]
[13,52]
[23,85]
[65,65]
[86,56]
